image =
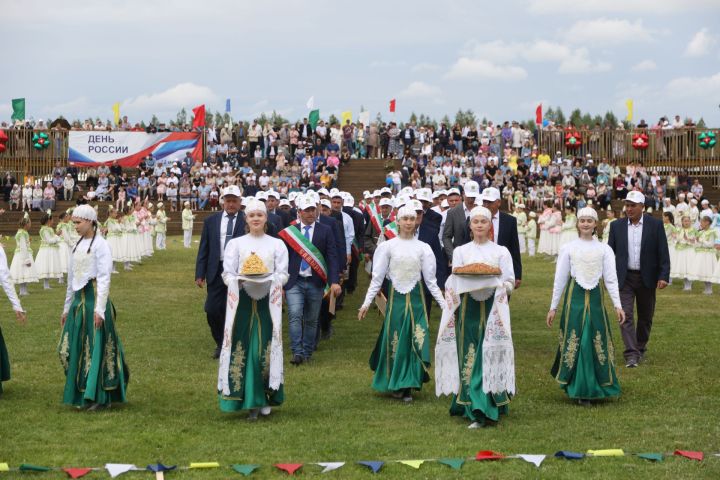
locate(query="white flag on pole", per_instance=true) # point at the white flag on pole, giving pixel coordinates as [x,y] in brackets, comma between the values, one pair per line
[310,103]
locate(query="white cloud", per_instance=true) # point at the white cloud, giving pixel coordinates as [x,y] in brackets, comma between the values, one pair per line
[644,66]
[695,87]
[476,68]
[181,95]
[605,31]
[500,51]
[5,110]
[644,7]
[420,90]
[701,44]
[425,67]
[579,62]
[388,64]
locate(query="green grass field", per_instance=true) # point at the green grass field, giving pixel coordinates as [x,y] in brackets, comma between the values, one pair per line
[331,414]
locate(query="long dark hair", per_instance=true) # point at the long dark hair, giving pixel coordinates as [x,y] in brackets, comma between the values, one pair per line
[95,227]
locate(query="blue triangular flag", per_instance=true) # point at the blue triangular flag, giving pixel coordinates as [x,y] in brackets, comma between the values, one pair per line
[567,454]
[374,466]
[159,467]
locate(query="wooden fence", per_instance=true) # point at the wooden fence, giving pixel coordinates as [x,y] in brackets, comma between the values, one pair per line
[24,160]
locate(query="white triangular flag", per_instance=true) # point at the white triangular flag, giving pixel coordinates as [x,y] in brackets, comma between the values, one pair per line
[534,459]
[330,466]
[115,469]
[310,103]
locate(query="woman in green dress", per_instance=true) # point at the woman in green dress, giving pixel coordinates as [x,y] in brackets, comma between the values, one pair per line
[474,356]
[90,350]
[401,358]
[585,360]
[251,370]
[9,288]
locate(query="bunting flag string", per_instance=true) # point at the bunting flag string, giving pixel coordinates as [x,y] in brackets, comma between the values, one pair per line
[375,466]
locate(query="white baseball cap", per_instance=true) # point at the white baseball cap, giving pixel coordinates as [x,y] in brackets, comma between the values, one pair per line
[348,201]
[490,194]
[272,193]
[386,201]
[325,203]
[472,189]
[231,190]
[424,194]
[452,191]
[635,197]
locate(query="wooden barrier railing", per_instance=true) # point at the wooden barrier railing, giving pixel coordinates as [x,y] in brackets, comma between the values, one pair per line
[24,160]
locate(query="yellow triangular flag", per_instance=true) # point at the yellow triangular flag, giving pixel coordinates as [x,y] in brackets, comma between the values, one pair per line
[4,467]
[412,463]
[629,104]
[345,117]
[612,452]
[116,113]
[205,465]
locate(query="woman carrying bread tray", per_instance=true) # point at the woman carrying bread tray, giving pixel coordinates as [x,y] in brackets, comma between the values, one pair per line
[401,358]
[474,356]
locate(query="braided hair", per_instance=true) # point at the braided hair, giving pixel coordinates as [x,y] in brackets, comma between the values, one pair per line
[95,227]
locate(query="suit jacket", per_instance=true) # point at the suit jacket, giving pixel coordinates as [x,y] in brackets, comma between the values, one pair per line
[339,235]
[508,238]
[432,218]
[654,254]
[208,264]
[358,223]
[429,234]
[277,223]
[324,240]
[456,231]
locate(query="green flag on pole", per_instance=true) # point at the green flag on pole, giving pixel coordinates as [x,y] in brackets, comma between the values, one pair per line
[314,118]
[18,106]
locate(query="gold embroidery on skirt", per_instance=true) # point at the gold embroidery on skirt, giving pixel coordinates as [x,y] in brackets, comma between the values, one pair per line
[65,351]
[419,336]
[109,356]
[236,366]
[266,361]
[611,350]
[599,349]
[468,366]
[87,357]
[572,349]
[394,344]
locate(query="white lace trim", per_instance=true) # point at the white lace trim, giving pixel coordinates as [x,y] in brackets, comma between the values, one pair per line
[587,266]
[405,270]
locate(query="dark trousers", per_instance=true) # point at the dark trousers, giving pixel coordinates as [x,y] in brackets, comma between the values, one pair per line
[215,308]
[635,337]
[351,282]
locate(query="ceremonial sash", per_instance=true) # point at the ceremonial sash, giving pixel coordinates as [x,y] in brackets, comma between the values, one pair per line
[307,251]
[355,248]
[391,230]
[375,219]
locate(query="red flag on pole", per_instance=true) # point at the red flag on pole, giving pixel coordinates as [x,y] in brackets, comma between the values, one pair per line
[199,120]
[392,106]
[538,114]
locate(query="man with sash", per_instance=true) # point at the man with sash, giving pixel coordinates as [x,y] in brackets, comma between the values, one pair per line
[374,231]
[356,248]
[312,267]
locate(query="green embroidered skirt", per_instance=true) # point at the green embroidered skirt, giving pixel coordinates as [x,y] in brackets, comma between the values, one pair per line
[92,358]
[4,362]
[249,370]
[401,357]
[472,402]
[585,360]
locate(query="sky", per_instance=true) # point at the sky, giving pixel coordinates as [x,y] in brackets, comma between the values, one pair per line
[77,57]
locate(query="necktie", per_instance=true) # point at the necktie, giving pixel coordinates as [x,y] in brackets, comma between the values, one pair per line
[303,264]
[229,231]
[468,235]
[492,231]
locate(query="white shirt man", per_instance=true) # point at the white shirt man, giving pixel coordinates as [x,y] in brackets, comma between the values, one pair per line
[634,242]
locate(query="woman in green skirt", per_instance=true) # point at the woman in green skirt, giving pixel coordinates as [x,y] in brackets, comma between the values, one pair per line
[251,358]
[401,358]
[474,356]
[90,350]
[9,288]
[585,359]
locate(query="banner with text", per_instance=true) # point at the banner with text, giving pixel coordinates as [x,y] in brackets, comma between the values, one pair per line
[128,149]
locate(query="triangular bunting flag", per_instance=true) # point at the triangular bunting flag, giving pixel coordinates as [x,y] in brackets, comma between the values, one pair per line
[412,463]
[690,454]
[569,455]
[245,470]
[489,455]
[612,452]
[290,468]
[159,467]
[454,463]
[534,459]
[205,465]
[4,467]
[77,472]
[116,469]
[374,466]
[26,467]
[655,457]
[330,466]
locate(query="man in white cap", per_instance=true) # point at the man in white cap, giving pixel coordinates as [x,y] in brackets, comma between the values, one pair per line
[358,222]
[375,227]
[642,261]
[456,231]
[218,229]
[504,229]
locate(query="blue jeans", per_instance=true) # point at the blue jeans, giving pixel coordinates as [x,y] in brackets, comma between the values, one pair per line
[303,302]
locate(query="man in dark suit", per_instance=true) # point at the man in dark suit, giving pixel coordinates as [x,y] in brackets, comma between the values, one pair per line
[457,219]
[359,230]
[218,229]
[642,261]
[271,203]
[503,230]
[427,232]
[304,289]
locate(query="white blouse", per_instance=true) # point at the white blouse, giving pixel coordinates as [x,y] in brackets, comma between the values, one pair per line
[272,252]
[489,253]
[7,284]
[586,261]
[84,267]
[403,262]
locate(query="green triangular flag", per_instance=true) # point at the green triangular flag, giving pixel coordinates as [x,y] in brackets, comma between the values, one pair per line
[18,106]
[26,467]
[454,463]
[314,118]
[655,457]
[245,470]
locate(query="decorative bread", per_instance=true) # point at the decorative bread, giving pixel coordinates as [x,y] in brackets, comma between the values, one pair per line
[477,269]
[253,266]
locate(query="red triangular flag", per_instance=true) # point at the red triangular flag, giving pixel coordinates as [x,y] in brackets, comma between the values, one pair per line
[199,119]
[77,472]
[689,454]
[392,106]
[538,114]
[290,468]
[488,455]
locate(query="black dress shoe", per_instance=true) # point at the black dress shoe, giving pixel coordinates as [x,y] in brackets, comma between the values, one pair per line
[297,360]
[216,353]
